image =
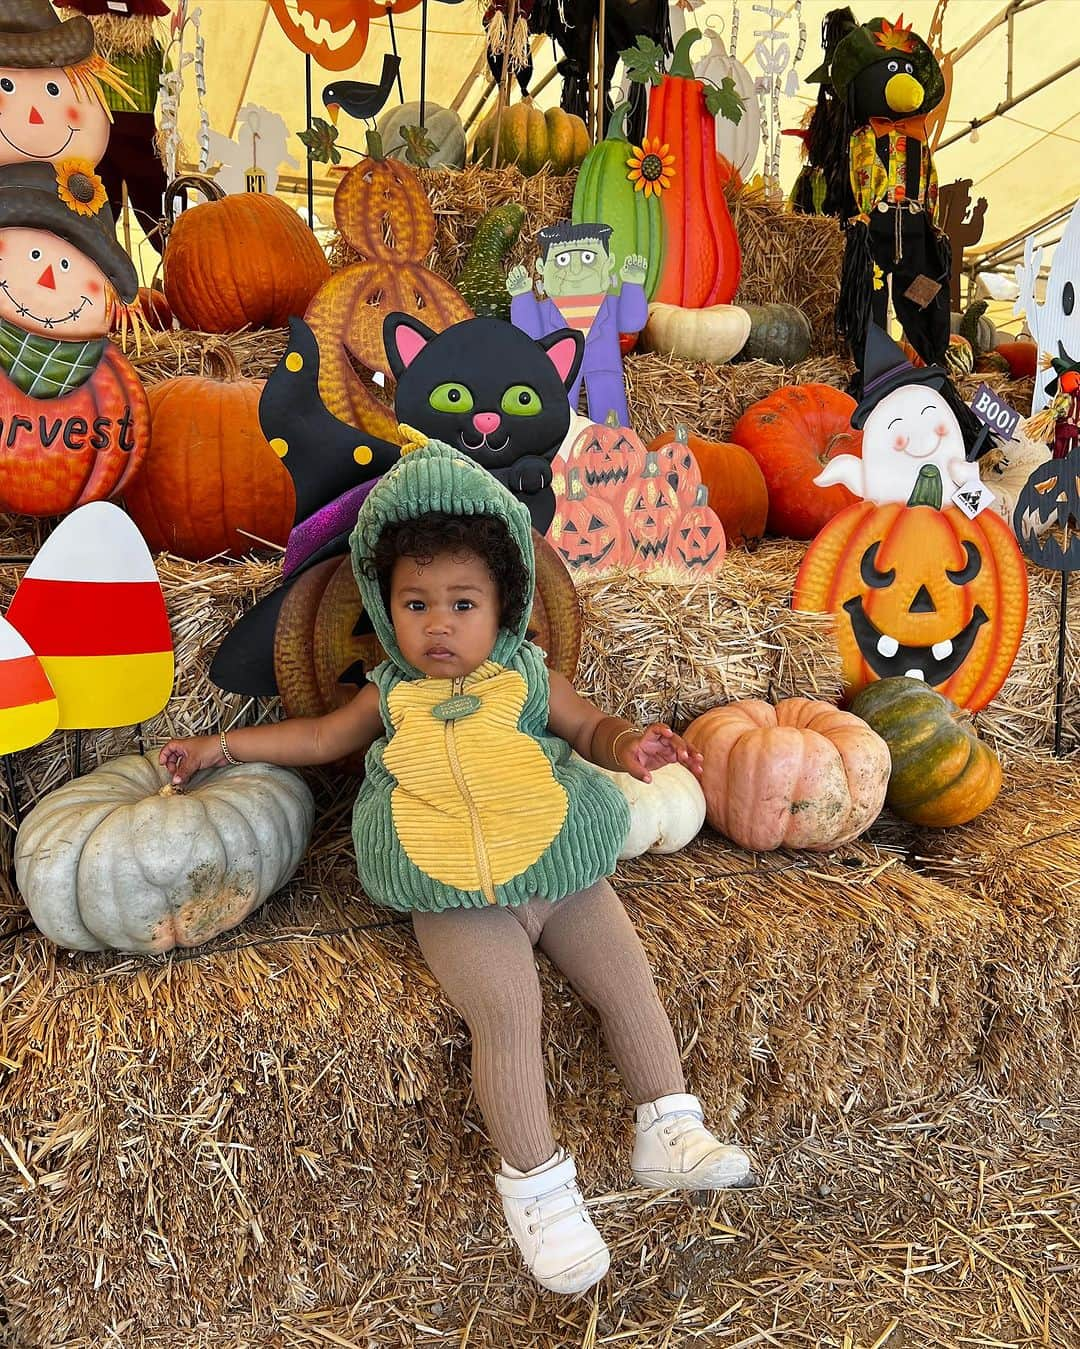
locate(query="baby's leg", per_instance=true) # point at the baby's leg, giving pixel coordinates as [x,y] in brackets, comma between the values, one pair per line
[484,961]
[590,938]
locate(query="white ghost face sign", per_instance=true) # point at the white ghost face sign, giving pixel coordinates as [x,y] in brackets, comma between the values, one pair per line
[1054,324]
[42,118]
[48,287]
[910,428]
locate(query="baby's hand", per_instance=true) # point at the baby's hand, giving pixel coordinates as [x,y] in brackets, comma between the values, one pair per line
[184,758]
[656,746]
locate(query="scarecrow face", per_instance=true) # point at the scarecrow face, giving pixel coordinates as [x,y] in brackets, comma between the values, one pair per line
[911,427]
[1047,519]
[889,87]
[919,592]
[579,268]
[42,118]
[48,287]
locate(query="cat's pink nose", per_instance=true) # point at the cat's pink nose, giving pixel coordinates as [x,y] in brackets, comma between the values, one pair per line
[486,422]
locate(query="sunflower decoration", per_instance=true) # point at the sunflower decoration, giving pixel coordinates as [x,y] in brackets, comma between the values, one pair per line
[651,166]
[79,187]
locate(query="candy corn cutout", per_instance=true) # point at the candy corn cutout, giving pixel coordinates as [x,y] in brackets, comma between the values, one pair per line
[90,605]
[28,708]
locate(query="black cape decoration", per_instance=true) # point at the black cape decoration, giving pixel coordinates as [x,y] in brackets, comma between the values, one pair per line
[333,466]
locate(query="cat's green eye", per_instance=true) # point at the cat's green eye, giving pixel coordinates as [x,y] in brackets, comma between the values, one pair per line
[521,401]
[451,398]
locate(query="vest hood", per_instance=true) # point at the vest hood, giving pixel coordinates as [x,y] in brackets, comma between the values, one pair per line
[435,477]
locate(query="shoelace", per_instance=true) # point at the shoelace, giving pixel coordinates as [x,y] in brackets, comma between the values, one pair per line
[676,1127]
[557,1206]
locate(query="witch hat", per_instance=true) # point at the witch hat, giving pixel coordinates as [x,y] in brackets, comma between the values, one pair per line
[333,467]
[886,368]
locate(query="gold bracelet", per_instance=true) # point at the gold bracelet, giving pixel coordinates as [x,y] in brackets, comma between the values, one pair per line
[225,750]
[627,730]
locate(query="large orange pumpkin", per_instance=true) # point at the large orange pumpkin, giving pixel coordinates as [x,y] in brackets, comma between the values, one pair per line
[383,212]
[793,433]
[59,453]
[211,484]
[921,592]
[801,774]
[234,261]
[736,487]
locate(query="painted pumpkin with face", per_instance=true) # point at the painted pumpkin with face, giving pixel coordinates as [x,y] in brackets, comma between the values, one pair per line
[652,511]
[608,457]
[1047,515]
[333,33]
[699,545]
[586,531]
[678,465]
[920,592]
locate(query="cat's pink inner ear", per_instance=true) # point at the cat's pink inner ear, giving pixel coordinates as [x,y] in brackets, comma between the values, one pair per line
[562,356]
[410,344]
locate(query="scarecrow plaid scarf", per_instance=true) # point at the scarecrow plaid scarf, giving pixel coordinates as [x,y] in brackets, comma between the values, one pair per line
[44,367]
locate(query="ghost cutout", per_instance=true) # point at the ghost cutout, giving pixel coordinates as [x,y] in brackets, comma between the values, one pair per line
[907,425]
[1054,324]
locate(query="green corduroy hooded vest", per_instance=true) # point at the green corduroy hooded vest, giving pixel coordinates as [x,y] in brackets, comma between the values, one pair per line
[482,788]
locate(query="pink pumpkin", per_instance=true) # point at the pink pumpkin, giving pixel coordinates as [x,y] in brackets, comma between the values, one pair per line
[801,774]
[699,544]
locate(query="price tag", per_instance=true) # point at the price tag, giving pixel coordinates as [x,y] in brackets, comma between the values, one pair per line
[972,497]
[992,410]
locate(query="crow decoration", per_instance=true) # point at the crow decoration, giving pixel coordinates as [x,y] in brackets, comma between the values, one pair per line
[358,99]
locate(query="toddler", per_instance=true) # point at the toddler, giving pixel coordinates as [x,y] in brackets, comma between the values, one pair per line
[475,818]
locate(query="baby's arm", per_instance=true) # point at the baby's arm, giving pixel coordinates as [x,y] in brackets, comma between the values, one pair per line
[294,743]
[612,742]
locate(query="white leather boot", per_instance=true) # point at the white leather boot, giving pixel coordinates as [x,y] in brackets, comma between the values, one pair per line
[674,1151]
[546,1213]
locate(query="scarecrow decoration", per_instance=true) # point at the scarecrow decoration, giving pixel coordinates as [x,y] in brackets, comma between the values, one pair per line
[579,289]
[74,418]
[128,33]
[869,162]
[918,586]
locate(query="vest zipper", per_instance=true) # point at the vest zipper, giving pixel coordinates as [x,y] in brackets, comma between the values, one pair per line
[483,865]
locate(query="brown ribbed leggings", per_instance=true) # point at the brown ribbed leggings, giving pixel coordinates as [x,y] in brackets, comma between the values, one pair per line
[484,960]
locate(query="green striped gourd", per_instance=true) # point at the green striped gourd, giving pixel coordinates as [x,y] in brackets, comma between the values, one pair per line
[605,195]
[482,282]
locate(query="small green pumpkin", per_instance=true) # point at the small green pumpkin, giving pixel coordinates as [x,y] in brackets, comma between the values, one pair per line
[482,281]
[604,193]
[942,773]
[779,334]
[443,127]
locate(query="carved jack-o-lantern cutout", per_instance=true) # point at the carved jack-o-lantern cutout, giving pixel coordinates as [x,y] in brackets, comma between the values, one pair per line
[679,467]
[919,592]
[586,531]
[608,457]
[333,33]
[700,544]
[1047,516]
[651,515]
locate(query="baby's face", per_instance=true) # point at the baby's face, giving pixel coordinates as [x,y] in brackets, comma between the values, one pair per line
[445,613]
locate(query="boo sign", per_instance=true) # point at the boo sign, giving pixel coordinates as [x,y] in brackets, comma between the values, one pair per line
[992,410]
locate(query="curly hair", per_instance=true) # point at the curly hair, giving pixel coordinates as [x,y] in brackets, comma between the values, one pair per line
[430,535]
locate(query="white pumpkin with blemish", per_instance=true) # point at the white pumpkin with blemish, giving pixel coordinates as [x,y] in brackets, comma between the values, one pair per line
[118,859]
[716,334]
[665,814]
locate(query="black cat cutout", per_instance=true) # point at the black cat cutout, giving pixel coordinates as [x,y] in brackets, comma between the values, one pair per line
[491,391]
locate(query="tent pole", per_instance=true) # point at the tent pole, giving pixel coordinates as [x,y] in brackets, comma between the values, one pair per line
[1009,104]
[310,165]
[393,48]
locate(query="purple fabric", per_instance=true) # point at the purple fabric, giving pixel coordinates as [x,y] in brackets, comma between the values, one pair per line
[601,366]
[327,522]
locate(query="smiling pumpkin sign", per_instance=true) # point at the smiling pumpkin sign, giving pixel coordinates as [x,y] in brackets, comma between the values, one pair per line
[916,586]
[74,418]
[333,33]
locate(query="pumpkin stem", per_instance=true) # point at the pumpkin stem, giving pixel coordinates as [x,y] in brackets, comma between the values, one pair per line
[375,145]
[171,790]
[219,353]
[680,67]
[576,491]
[927,489]
[616,127]
[682,434]
[612,419]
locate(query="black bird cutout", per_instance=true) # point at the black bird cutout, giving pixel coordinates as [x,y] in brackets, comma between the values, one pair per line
[360,100]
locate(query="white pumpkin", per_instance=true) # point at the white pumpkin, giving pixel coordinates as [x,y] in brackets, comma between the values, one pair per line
[737,143]
[1006,469]
[665,814]
[120,859]
[715,334]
